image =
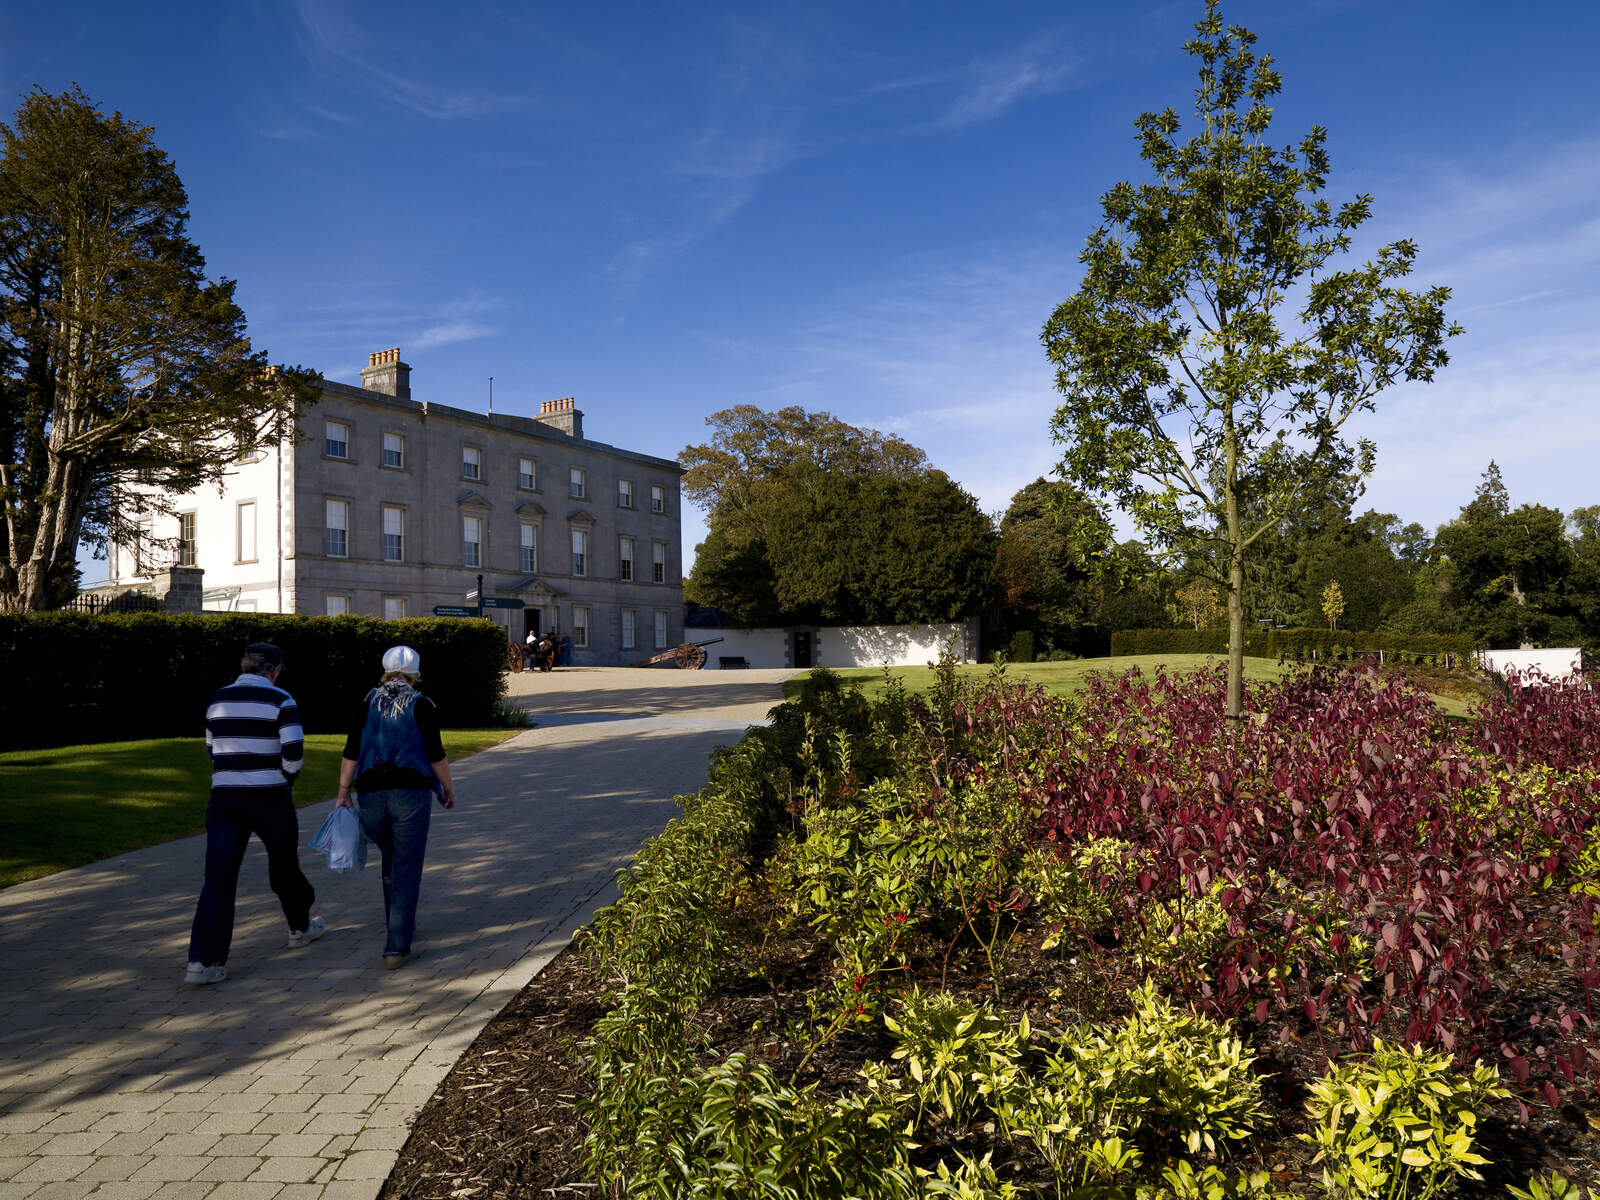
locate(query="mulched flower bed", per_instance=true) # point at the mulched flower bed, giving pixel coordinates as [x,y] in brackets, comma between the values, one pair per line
[503,1123]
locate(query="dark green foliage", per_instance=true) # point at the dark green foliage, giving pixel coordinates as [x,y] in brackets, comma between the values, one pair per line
[813,521]
[73,677]
[1051,567]
[1021,649]
[117,354]
[1274,643]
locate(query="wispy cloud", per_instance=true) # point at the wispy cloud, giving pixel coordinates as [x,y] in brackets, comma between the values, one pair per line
[990,87]
[450,333]
[343,52]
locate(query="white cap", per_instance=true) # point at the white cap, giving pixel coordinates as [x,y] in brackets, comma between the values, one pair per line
[403,659]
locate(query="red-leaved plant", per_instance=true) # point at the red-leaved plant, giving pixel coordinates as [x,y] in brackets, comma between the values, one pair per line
[1383,873]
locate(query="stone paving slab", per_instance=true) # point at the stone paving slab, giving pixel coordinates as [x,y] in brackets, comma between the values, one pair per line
[301,1074]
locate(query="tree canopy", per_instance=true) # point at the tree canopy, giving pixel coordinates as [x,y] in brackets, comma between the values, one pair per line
[815,521]
[120,362]
[1212,357]
[1051,566]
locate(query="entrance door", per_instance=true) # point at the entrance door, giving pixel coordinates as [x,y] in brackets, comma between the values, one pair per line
[802,649]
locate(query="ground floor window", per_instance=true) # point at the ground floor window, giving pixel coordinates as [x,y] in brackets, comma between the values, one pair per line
[630,621]
[580,627]
[337,606]
[661,629]
[394,608]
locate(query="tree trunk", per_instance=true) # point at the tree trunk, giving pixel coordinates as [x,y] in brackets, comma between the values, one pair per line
[1235,630]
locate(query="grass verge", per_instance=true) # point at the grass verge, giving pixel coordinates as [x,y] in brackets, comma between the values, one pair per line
[71,805]
[1066,678]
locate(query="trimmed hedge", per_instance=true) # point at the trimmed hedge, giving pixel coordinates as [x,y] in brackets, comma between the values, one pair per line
[1276,643]
[69,677]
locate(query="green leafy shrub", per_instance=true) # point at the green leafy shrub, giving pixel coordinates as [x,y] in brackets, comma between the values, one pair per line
[1164,1076]
[1071,890]
[1398,1125]
[974,1179]
[1551,1186]
[732,1131]
[1021,648]
[68,674]
[957,1053]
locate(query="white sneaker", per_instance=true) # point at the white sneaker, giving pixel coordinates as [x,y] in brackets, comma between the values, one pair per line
[198,974]
[311,933]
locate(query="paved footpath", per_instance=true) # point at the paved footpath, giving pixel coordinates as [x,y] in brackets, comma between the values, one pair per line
[299,1076]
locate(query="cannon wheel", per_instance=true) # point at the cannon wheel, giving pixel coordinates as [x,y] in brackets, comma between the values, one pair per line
[690,657]
[513,657]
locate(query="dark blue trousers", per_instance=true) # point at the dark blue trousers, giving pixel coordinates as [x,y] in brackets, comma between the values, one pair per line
[230,820]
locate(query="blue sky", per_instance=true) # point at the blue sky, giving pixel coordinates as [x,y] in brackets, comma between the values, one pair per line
[667,209]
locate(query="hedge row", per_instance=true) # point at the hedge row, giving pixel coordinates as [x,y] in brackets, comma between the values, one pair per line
[74,677]
[1275,643]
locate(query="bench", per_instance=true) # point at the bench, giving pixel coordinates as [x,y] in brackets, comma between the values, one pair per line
[731,662]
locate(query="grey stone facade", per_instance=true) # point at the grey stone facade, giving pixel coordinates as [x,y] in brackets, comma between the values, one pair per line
[388,506]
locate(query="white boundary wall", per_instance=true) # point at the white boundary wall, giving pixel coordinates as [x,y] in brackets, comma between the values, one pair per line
[1556,665]
[842,646]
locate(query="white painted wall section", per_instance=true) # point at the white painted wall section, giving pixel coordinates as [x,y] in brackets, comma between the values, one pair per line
[1554,664]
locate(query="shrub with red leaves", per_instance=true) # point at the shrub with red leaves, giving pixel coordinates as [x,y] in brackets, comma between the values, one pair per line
[1383,873]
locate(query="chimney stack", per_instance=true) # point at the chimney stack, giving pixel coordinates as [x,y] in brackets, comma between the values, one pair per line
[562,415]
[385,373]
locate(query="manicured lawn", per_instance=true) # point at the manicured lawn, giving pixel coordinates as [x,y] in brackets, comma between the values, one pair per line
[71,805]
[1058,678]
[1065,678]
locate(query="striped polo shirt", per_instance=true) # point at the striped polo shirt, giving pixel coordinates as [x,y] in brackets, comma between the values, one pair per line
[253,736]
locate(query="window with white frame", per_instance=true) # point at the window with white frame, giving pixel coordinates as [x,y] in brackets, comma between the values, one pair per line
[471,462]
[186,547]
[630,622]
[335,439]
[336,521]
[580,627]
[579,482]
[580,552]
[527,474]
[624,493]
[337,606]
[658,562]
[658,499]
[625,559]
[472,541]
[394,449]
[394,608]
[661,629]
[530,547]
[394,533]
[244,531]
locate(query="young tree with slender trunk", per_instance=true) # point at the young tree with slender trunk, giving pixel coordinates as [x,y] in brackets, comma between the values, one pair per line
[125,374]
[1211,359]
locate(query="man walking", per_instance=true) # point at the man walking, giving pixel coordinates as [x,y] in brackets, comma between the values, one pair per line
[256,747]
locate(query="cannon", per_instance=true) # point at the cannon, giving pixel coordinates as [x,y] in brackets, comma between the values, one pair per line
[689,656]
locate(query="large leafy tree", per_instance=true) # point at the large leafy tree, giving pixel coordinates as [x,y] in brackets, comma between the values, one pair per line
[1051,567]
[123,369]
[813,520]
[1513,567]
[1212,357]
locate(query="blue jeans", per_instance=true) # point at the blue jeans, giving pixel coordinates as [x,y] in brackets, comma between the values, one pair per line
[230,820]
[396,821]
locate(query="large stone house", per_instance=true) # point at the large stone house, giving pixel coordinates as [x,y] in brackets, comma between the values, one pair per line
[388,506]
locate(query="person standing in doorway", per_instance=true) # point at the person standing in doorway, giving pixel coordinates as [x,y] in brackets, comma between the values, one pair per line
[256,747]
[393,766]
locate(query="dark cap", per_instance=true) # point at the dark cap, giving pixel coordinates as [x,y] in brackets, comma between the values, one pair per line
[266,652]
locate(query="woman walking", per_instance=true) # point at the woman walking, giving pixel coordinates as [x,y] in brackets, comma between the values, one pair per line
[395,763]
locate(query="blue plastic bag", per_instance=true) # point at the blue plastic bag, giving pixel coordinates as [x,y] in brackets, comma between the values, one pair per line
[342,840]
